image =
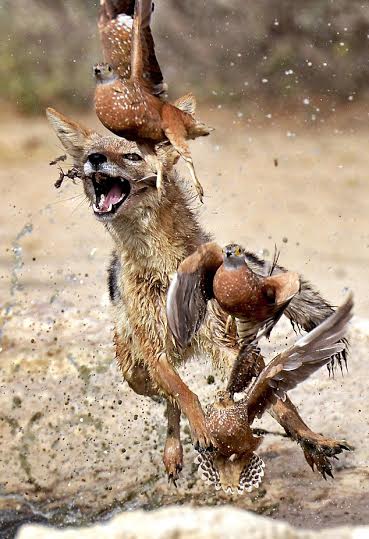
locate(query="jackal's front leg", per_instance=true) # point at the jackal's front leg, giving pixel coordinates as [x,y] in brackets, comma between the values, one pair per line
[173,387]
[317,449]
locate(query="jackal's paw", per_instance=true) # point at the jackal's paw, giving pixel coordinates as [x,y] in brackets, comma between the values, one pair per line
[318,450]
[173,459]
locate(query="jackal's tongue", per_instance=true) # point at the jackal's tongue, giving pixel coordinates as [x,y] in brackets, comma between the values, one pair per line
[112,197]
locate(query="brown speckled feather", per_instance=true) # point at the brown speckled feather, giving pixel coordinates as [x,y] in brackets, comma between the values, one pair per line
[115,27]
[229,423]
[306,310]
[190,290]
[306,356]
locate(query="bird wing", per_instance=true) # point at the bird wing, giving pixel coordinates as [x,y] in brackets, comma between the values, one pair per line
[116,27]
[306,310]
[283,287]
[189,291]
[296,364]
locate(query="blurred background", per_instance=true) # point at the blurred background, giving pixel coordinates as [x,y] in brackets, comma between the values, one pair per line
[237,50]
[285,85]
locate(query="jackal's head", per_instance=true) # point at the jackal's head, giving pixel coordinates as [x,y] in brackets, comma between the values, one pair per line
[118,182]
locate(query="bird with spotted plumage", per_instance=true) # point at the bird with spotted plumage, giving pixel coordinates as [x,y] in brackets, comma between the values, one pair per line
[129,97]
[115,25]
[234,466]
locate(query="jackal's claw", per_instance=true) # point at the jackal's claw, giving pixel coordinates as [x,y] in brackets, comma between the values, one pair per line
[201,438]
[174,476]
[319,450]
[173,459]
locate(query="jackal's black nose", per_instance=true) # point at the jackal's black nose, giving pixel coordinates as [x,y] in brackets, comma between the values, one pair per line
[97,159]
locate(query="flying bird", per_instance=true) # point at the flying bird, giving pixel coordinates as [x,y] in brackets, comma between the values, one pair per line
[129,97]
[234,466]
[255,302]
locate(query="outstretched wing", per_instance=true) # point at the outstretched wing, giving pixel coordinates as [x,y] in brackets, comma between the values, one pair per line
[306,310]
[116,21]
[292,367]
[189,291]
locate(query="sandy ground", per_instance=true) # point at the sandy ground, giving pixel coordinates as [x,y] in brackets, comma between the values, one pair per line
[68,442]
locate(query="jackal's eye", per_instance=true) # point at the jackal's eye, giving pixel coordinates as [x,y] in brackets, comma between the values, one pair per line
[132,157]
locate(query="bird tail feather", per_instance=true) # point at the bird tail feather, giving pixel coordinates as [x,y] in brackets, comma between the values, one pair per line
[186,103]
[252,475]
[220,472]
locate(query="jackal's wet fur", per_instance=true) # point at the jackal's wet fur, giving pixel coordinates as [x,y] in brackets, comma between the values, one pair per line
[152,236]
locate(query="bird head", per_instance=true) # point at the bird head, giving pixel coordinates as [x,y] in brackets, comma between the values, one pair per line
[234,254]
[223,400]
[104,73]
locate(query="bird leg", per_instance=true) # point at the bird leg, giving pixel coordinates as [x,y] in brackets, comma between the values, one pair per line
[317,448]
[176,134]
[197,184]
[173,451]
[155,163]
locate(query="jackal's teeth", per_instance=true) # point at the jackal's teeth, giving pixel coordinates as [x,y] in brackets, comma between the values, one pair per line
[99,210]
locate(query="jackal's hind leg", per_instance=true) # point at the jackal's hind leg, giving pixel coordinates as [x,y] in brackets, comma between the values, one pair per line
[139,379]
[317,449]
[173,451]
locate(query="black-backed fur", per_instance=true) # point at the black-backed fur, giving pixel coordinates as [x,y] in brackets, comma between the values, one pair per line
[113,278]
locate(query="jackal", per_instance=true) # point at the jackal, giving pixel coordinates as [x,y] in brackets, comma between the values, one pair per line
[152,236]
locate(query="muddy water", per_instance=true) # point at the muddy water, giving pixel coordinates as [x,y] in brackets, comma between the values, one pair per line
[76,444]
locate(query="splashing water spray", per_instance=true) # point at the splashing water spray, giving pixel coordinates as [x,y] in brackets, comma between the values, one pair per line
[15,286]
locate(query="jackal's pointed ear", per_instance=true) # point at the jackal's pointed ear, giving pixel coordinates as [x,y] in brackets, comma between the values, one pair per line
[71,134]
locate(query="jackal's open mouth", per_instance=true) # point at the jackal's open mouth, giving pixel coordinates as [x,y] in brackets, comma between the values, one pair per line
[110,193]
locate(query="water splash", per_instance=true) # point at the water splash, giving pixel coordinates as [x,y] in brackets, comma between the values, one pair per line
[18,258]
[15,285]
